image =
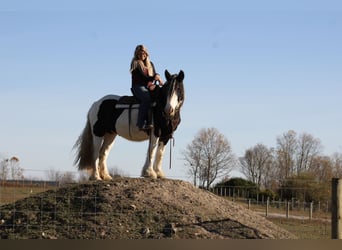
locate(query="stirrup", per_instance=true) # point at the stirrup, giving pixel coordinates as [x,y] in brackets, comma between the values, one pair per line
[147,127]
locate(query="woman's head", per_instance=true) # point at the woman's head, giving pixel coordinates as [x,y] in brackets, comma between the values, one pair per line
[141,57]
[141,52]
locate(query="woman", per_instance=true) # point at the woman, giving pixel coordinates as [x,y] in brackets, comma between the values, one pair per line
[143,76]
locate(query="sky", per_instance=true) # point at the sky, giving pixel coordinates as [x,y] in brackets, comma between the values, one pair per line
[253,70]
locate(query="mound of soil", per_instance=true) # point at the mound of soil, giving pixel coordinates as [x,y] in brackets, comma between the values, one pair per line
[132,208]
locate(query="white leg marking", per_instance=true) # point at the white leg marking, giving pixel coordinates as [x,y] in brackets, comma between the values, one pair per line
[148,170]
[159,160]
[95,175]
[108,141]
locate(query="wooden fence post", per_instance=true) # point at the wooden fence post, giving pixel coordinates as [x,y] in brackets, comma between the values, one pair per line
[267,205]
[287,209]
[311,210]
[336,209]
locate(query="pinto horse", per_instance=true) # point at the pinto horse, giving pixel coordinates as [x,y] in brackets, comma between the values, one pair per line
[116,115]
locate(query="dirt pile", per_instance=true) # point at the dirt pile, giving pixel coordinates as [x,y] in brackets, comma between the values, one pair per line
[132,208]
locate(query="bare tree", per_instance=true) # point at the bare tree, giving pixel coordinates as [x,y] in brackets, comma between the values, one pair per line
[54,175]
[17,173]
[336,159]
[67,178]
[209,157]
[256,164]
[322,168]
[286,152]
[4,170]
[60,177]
[192,156]
[307,149]
[10,169]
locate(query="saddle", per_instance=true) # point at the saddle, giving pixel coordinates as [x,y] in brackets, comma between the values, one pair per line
[128,102]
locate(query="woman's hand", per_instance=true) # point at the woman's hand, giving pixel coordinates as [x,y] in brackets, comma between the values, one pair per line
[158,78]
[152,87]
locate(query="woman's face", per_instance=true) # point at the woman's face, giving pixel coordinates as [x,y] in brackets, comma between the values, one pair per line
[142,55]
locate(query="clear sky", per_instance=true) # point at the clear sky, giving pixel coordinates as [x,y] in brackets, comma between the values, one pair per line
[253,70]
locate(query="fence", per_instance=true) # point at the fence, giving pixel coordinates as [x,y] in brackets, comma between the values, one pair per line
[91,212]
[305,212]
[307,219]
[243,194]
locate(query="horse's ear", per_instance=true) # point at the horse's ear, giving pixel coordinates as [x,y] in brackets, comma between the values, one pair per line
[167,75]
[180,76]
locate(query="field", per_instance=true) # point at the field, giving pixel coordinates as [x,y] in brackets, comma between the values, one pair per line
[298,223]
[303,228]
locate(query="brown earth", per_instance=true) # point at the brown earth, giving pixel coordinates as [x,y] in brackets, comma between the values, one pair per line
[133,208]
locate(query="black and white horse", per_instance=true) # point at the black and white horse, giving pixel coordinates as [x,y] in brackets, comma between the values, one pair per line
[116,115]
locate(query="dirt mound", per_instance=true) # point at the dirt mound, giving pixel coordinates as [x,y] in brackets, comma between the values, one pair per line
[132,208]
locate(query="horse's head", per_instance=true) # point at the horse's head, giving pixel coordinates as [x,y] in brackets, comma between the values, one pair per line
[172,93]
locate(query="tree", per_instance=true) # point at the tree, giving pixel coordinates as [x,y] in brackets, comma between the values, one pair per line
[192,156]
[322,168]
[337,164]
[256,164]
[286,152]
[208,157]
[10,169]
[304,187]
[15,170]
[54,175]
[4,170]
[308,148]
[60,177]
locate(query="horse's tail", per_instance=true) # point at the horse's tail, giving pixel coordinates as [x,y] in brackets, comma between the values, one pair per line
[84,147]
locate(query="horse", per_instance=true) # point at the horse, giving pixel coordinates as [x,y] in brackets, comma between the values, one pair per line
[114,115]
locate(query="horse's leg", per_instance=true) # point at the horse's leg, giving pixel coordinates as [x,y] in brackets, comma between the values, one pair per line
[95,175]
[159,160]
[108,141]
[148,170]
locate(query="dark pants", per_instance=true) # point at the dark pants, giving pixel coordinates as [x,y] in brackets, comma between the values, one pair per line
[143,94]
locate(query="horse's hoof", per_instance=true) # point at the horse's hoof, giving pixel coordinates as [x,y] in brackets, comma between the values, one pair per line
[93,178]
[161,175]
[107,178]
[149,174]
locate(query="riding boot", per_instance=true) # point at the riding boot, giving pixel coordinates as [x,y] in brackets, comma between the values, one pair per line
[149,117]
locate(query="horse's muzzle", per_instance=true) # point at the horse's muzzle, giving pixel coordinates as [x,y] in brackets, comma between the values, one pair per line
[169,111]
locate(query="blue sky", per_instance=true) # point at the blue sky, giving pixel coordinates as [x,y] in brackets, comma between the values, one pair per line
[253,70]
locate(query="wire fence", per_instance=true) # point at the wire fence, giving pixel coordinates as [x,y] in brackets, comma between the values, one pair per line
[51,212]
[246,195]
[308,220]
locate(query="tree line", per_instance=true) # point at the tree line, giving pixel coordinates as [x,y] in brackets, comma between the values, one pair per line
[296,158]
[11,171]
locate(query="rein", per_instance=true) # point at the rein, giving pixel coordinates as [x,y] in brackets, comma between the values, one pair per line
[171,146]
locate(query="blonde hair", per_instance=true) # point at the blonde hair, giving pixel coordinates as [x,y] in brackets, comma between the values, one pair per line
[146,64]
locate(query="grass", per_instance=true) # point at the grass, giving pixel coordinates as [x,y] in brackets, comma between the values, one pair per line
[10,194]
[305,229]
[317,228]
